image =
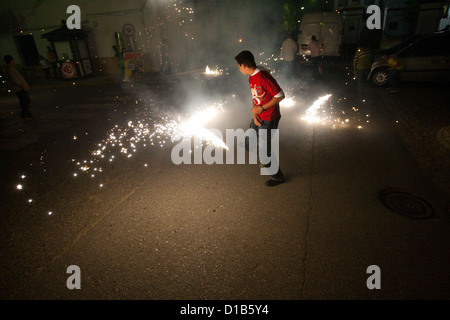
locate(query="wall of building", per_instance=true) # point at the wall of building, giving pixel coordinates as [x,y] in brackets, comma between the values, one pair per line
[199,33]
[429,17]
[101,18]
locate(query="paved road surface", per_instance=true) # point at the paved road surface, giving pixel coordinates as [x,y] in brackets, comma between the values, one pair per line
[160,231]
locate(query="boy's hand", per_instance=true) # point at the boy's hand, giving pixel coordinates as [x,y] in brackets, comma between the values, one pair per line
[257,120]
[256,110]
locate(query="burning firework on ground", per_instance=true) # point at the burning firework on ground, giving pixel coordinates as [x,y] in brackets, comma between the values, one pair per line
[314,114]
[154,132]
[155,129]
[317,113]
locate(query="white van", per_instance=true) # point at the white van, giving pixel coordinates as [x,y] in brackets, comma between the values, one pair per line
[328,29]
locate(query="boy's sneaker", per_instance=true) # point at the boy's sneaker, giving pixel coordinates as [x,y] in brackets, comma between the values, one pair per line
[273,182]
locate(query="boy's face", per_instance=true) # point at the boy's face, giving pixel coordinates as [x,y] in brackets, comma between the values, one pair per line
[243,68]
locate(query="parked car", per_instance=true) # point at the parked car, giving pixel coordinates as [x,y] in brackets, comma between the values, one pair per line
[425,58]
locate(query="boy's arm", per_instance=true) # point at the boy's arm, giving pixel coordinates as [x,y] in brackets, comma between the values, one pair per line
[268,105]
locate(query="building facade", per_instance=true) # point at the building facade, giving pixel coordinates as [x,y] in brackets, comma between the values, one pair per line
[197,33]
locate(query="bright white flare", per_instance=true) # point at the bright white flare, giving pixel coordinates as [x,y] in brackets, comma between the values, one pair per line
[193,127]
[312,114]
[287,102]
[215,72]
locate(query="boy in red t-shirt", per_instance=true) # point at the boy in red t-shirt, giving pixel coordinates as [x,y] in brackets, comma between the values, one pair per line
[267,95]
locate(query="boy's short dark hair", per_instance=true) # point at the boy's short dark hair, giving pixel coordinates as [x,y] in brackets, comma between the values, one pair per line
[246,58]
[7,58]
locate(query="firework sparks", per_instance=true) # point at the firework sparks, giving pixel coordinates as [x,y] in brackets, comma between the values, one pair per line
[320,112]
[194,127]
[312,114]
[154,131]
[216,72]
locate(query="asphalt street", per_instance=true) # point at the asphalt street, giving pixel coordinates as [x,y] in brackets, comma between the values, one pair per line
[140,227]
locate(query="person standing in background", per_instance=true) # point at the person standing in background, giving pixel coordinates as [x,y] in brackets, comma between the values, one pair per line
[51,58]
[289,48]
[45,66]
[350,43]
[165,57]
[19,86]
[315,47]
[395,67]
[362,63]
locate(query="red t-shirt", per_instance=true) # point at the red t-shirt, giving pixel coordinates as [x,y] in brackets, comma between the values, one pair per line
[264,87]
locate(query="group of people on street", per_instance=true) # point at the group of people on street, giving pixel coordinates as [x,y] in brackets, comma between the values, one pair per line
[357,49]
[266,92]
[289,49]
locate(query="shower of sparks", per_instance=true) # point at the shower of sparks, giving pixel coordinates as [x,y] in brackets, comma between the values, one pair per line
[324,112]
[312,114]
[149,130]
[158,128]
[153,132]
[268,62]
[194,128]
[216,72]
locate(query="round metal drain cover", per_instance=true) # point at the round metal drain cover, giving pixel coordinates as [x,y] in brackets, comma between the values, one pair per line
[406,204]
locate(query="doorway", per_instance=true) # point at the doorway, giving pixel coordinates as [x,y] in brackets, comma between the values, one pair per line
[28,50]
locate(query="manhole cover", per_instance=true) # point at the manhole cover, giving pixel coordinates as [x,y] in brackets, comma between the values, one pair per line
[406,204]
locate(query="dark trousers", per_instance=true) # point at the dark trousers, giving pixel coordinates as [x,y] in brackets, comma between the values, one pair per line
[361,81]
[24,101]
[316,65]
[48,75]
[288,68]
[55,70]
[348,52]
[268,125]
